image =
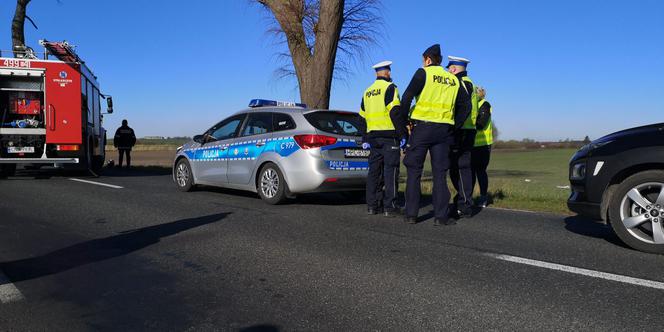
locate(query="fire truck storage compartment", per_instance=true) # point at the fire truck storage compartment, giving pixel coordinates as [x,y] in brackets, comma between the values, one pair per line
[22,102]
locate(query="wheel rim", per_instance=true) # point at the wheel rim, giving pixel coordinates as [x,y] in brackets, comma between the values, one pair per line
[182,175]
[642,212]
[269,183]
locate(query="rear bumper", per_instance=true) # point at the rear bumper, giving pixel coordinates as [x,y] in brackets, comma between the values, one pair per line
[39,160]
[577,204]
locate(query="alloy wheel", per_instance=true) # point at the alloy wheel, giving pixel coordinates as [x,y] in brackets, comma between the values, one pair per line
[269,183]
[642,212]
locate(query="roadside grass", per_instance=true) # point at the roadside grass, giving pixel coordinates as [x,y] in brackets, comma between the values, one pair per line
[521,179]
[518,179]
[147,147]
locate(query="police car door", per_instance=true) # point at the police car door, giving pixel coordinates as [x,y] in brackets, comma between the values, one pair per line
[211,164]
[247,148]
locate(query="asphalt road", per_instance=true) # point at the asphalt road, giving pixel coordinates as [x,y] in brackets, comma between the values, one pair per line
[143,256]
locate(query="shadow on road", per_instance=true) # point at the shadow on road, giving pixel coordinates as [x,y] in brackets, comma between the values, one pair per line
[586,227]
[260,328]
[100,249]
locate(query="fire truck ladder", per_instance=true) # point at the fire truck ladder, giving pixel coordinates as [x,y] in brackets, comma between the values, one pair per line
[61,50]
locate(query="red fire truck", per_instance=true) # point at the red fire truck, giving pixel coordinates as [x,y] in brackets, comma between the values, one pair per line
[50,111]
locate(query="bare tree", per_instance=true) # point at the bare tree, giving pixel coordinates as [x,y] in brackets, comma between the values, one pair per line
[324,37]
[18,23]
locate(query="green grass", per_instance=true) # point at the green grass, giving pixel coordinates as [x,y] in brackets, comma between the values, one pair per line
[523,179]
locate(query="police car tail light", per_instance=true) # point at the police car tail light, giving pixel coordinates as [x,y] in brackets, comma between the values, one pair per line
[314,141]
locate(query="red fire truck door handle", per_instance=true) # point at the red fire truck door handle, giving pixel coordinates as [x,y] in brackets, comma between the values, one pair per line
[50,118]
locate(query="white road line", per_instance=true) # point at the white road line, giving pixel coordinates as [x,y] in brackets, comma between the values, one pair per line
[8,292]
[97,183]
[580,271]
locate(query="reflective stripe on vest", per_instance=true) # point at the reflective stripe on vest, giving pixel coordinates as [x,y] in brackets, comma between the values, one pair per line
[375,111]
[436,102]
[472,118]
[484,137]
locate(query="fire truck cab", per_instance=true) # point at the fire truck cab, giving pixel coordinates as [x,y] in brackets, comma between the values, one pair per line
[50,111]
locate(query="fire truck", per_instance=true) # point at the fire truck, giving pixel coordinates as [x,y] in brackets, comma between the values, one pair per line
[50,111]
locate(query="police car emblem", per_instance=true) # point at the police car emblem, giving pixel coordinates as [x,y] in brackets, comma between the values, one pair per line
[63,74]
[236,151]
[246,151]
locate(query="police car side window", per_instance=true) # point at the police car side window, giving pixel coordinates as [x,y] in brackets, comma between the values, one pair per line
[227,128]
[283,122]
[257,124]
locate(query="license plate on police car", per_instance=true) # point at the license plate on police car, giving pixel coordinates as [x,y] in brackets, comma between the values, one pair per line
[25,149]
[356,153]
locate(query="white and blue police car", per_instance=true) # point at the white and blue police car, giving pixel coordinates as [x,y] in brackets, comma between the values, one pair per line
[277,149]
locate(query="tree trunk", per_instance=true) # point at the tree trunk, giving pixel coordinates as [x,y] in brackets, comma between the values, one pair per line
[314,69]
[18,35]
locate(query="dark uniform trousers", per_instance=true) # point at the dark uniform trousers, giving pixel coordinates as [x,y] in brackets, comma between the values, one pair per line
[434,138]
[127,152]
[383,178]
[461,172]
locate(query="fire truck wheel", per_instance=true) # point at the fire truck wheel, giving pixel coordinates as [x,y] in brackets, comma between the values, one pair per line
[184,179]
[7,170]
[97,164]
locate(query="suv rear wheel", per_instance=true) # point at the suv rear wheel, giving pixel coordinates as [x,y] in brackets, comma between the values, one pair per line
[636,211]
[271,184]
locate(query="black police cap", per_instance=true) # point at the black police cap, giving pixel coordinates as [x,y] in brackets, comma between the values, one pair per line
[433,51]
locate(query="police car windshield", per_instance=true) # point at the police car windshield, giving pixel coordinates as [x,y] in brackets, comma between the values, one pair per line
[340,123]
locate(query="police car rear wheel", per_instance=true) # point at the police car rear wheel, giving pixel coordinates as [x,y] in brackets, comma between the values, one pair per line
[271,185]
[636,211]
[183,178]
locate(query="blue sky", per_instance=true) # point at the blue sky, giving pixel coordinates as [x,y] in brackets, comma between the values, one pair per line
[552,69]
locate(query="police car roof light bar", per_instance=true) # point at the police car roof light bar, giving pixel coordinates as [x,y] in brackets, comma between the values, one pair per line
[264,103]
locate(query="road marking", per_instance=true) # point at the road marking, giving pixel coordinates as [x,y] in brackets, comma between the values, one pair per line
[580,271]
[8,292]
[97,183]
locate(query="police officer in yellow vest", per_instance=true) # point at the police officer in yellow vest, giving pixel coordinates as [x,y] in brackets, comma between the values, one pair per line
[464,139]
[440,107]
[481,154]
[384,134]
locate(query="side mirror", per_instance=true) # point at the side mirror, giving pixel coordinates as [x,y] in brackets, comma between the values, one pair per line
[200,139]
[109,105]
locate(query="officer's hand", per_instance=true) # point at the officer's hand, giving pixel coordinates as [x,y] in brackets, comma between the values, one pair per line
[402,144]
[366,146]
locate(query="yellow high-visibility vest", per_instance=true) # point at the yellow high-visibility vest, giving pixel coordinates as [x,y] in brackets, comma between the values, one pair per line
[472,118]
[484,137]
[436,101]
[376,113]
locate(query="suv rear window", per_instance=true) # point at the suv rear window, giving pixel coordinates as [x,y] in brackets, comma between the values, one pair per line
[340,123]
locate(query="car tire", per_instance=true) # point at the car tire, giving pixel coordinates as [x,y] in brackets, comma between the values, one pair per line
[7,170]
[271,185]
[183,176]
[636,225]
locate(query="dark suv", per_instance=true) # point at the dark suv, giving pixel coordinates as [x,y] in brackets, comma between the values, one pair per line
[619,178]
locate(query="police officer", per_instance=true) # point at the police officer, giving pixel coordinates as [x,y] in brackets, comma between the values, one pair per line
[384,134]
[440,103]
[481,154]
[464,139]
[124,140]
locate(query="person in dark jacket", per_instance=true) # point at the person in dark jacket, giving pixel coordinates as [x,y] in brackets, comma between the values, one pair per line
[124,140]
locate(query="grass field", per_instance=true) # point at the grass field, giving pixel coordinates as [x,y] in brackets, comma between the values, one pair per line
[518,179]
[523,179]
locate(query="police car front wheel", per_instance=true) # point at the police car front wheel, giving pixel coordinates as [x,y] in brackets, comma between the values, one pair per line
[271,184]
[183,176]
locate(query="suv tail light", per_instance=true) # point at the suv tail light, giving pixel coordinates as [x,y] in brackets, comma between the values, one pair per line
[314,141]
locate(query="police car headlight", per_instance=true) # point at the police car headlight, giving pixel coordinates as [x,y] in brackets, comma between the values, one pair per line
[578,171]
[179,148]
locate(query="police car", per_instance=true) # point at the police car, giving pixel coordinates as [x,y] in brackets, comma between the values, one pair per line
[619,178]
[277,149]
